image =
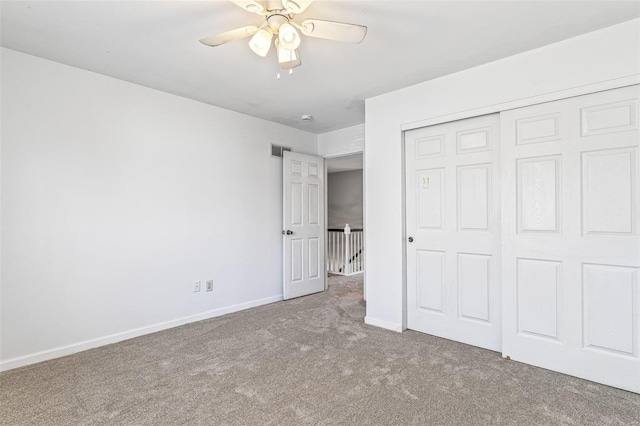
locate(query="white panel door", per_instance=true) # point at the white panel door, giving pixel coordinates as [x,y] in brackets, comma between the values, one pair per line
[571,251]
[303,229]
[453,230]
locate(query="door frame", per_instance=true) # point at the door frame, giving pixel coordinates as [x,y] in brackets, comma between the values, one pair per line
[364,214]
[476,112]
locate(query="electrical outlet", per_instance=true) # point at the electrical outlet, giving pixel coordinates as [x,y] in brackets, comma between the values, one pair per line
[210,285]
[196,286]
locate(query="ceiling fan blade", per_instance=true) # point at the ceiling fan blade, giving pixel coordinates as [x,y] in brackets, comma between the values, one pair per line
[228,36]
[330,30]
[296,6]
[250,5]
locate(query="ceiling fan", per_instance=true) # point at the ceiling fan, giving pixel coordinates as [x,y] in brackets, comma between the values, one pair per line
[279,15]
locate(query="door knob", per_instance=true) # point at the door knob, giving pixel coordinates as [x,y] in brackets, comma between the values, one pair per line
[410,239]
[288,232]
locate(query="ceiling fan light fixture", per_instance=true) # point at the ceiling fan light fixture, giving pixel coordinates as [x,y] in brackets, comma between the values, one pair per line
[260,43]
[279,20]
[289,37]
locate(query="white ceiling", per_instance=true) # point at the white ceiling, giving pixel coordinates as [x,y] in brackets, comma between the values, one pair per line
[344,164]
[155,44]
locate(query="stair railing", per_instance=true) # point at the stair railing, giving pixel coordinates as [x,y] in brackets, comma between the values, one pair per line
[345,251]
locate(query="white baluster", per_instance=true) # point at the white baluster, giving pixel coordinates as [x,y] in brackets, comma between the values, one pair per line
[338,236]
[357,254]
[354,253]
[351,253]
[335,243]
[360,250]
[341,253]
[347,243]
[333,251]
[329,252]
[342,259]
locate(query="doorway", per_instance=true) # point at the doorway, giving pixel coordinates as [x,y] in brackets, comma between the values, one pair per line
[345,217]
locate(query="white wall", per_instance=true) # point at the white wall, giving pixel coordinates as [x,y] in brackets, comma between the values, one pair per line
[344,199]
[349,140]
[115,197]
[599,57]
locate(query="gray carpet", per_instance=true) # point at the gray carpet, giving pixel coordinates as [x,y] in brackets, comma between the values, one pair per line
[305,361]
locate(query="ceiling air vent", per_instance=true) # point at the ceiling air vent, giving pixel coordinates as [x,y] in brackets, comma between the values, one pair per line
[277,150]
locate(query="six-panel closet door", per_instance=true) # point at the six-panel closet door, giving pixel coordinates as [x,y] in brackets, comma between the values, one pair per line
[453,230]
[571,251]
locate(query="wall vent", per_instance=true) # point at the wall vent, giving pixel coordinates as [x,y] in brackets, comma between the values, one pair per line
[277,150]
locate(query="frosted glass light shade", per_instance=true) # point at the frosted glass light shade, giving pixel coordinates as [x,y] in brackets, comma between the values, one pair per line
[289,37]
[260,43]
[287,58]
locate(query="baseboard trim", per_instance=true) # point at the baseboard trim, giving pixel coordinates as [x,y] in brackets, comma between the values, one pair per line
[126,335]
[383,324]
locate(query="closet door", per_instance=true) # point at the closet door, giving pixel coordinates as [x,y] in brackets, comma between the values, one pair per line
[571,252]
[453,231]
